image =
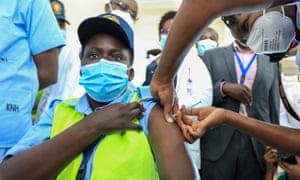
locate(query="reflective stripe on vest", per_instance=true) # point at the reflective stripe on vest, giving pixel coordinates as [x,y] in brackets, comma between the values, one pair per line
[120,155]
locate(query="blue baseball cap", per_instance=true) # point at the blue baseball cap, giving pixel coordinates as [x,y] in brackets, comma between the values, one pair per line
[59,10]
[107,23]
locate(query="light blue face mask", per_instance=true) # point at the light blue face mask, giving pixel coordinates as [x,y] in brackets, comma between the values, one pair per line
[163,39]
[204,45]
[105,80]
[298,59]
[64,34]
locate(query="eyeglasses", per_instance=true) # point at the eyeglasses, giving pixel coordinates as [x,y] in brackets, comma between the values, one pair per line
[229,21]
[126,8]
[164,31]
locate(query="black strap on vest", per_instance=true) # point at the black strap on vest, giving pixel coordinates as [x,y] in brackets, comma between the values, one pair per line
[285,101]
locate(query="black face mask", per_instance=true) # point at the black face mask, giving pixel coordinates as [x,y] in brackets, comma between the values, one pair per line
[276,57]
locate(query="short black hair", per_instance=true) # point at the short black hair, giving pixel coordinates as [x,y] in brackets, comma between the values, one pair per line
[167,16]
[153,52]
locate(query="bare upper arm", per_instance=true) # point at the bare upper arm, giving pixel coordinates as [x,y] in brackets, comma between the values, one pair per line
[47,67]
[167,143]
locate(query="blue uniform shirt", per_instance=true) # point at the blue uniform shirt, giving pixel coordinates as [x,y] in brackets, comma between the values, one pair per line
[28,27]
[42,130]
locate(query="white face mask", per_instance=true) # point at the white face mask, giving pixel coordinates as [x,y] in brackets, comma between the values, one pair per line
[271,33]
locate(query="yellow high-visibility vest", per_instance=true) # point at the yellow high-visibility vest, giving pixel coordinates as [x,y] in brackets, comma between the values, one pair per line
[119,156]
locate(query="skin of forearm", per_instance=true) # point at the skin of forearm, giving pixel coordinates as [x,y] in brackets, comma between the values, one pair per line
[269,171]
[171,156]
[168,165]
[47,67]
[269,176]
[276,136]
[50,157]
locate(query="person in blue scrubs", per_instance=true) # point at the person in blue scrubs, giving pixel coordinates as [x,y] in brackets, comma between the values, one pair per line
[29,48]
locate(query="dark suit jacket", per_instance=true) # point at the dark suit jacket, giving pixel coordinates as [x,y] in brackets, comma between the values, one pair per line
[220,64]
[150,69]
[149,72]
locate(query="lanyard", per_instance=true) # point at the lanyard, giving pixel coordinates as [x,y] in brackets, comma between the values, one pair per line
[244,70]
[87,154]
[189,83]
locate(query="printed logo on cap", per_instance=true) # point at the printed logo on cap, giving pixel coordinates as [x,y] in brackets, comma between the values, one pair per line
[112,18]
[57,8]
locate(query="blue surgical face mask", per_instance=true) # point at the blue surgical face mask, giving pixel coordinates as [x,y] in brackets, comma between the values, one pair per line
[105,80]
[204,45]
[298,58]
[163,39]
[64,34]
